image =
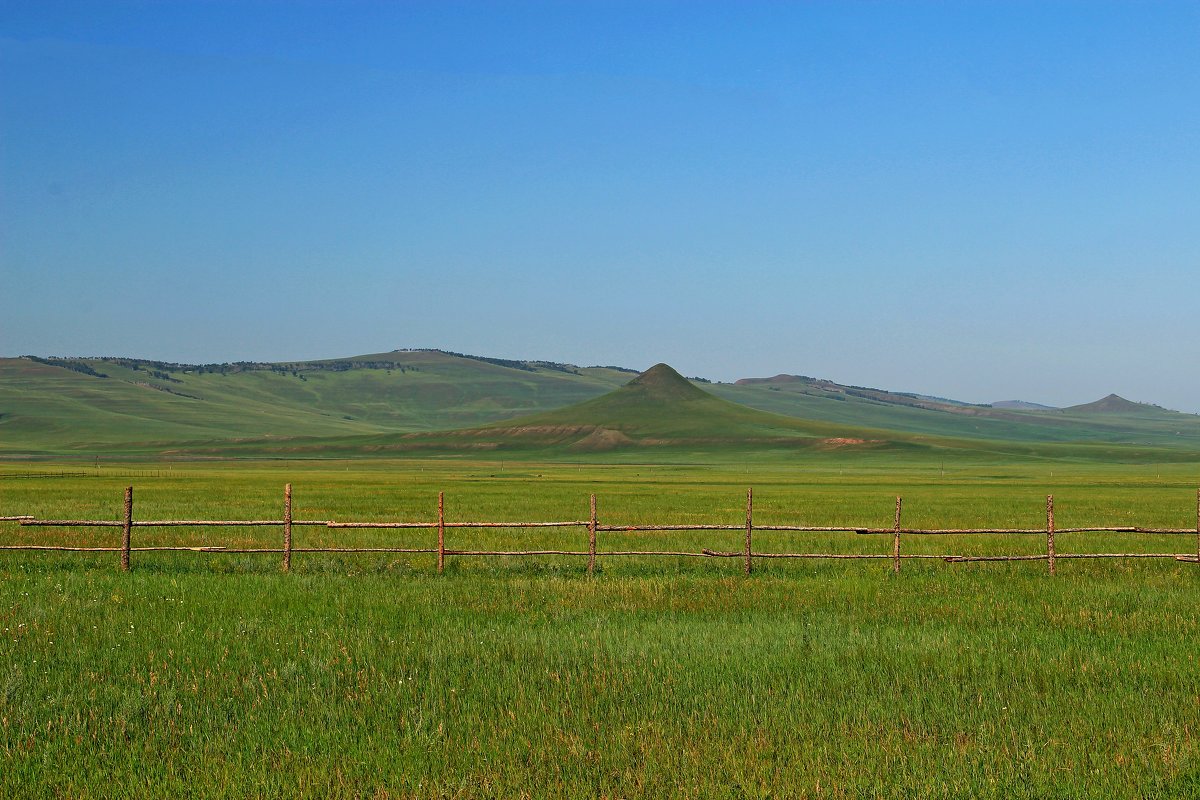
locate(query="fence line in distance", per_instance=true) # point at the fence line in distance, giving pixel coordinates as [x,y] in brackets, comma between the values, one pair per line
[593,528]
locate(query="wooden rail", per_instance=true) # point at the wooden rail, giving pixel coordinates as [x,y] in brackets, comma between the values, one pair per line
[593,528]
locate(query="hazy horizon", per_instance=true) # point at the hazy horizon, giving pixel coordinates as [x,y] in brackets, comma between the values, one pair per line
[531,359]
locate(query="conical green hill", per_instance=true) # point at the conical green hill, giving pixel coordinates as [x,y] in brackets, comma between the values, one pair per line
[659,402]
[658,407]
[661,383]
[1113,404]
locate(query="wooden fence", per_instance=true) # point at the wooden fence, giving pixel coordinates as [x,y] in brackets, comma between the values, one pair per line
[594,528]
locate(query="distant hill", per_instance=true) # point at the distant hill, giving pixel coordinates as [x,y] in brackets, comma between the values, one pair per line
[1115,404]
[660,409]
[662,415]
[66,406]
[816,399]
[821,387]
[1021,405]
[136,405]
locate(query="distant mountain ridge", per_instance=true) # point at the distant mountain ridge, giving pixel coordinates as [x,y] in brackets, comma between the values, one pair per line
[74,405]
[658,409]
[86,405]
[865,392]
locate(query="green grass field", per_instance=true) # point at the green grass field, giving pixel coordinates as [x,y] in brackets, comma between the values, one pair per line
[369,675]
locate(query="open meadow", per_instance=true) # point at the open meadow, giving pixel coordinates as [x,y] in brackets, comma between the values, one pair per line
[370,675]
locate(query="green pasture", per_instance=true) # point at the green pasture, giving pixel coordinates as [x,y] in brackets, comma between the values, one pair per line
[370,675]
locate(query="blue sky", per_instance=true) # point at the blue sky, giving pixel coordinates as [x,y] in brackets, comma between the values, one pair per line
[983,201]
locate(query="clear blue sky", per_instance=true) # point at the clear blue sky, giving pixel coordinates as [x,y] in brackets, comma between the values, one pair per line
[984,201]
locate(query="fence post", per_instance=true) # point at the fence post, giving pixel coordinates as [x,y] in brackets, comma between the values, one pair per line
[592,538]
[127,529]
[896,538]
[287,527]
[1050,531]
[749,524]
[1198,526]
[441,532]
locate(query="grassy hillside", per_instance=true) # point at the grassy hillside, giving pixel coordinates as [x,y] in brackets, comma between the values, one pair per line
[1111,421]
[87,405]
[660,417]
[660,407]
[657,411]
[392,402]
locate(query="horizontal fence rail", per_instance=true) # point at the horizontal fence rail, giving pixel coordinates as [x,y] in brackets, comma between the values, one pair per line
[31,522]
[593,527]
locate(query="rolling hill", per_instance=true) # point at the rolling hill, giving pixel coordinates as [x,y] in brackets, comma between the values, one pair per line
[659,408]
[1109,421]
[68,406]
[659,416]
[399,399]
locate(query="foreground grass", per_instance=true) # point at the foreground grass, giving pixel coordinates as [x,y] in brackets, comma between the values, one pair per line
[365,676]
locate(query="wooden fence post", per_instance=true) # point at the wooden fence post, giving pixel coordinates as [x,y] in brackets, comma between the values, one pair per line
[441,532]
[749,524]
[127,529]
[592,538]
[896,538]
[1198,526]
[287,527]
[1050,531]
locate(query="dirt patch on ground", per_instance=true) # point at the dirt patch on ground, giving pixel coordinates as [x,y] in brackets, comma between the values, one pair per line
[602,439]
[835,443]
[536,433]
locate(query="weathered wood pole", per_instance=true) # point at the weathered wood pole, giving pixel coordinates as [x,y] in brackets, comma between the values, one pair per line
[1050,531]
[287,527]
[127,529]
[749,525]
[441,532]
[592,538]
[896,537]
[1198,526]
